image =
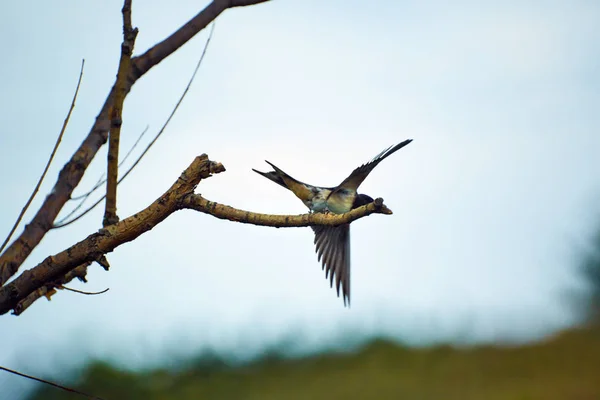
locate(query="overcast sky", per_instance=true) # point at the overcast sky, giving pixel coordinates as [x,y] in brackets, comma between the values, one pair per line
[492,201]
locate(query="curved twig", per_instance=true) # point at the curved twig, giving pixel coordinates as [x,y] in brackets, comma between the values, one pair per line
[101,181]
[58,140]
[62,287]
[49,290]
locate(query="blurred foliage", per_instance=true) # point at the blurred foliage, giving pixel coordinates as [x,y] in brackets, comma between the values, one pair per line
[564,367]
[591,273]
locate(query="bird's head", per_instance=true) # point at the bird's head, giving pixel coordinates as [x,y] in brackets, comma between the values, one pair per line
[361,200]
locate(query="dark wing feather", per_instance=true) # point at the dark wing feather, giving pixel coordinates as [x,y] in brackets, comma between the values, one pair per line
[303,191]
[357,176]
[333,247]
[273,176]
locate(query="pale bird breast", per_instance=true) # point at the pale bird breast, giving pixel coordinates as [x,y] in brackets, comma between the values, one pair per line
[319,200]
[341,202]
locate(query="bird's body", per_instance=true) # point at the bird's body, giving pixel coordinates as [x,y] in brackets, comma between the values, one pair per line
[313,197]
[333,242]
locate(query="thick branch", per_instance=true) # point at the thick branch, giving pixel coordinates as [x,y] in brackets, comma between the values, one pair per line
[199,203]
[23,290]
[162,50]
[71,174]
[48,290]
[104,241]
[116,119]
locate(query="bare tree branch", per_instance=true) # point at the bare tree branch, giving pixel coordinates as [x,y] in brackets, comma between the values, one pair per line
[243,3]
[101,181]
[186,90]
[102,242]
[56,385]
[221,211]
[162,50]
[71,174]
[58,140]
[64,222]
[48,290]
[129,35]
[179,196]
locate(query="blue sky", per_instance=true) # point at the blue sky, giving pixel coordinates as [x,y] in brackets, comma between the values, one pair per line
[492,200]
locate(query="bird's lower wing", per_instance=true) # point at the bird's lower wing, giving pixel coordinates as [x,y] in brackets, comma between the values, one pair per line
[333,247]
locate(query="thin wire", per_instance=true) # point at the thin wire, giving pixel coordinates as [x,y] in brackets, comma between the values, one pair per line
[56,385]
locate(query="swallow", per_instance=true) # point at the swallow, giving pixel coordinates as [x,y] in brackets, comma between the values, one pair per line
[333,242]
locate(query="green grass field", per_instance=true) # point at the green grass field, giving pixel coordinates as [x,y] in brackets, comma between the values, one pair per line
[566,366]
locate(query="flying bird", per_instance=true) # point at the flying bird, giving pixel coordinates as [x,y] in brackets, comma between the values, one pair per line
[333,242]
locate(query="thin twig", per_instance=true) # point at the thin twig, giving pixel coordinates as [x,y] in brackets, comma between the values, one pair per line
[101,180]
[58,140]
[48,290]
[116,118]
[75,219]
[81,291]
[62,223]
[56,385]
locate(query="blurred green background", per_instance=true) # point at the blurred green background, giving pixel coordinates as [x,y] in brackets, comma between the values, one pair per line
[563,366]
[566,366]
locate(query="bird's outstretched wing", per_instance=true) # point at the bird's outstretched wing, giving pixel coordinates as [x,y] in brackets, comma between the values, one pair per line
[357,176]
[333,247]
